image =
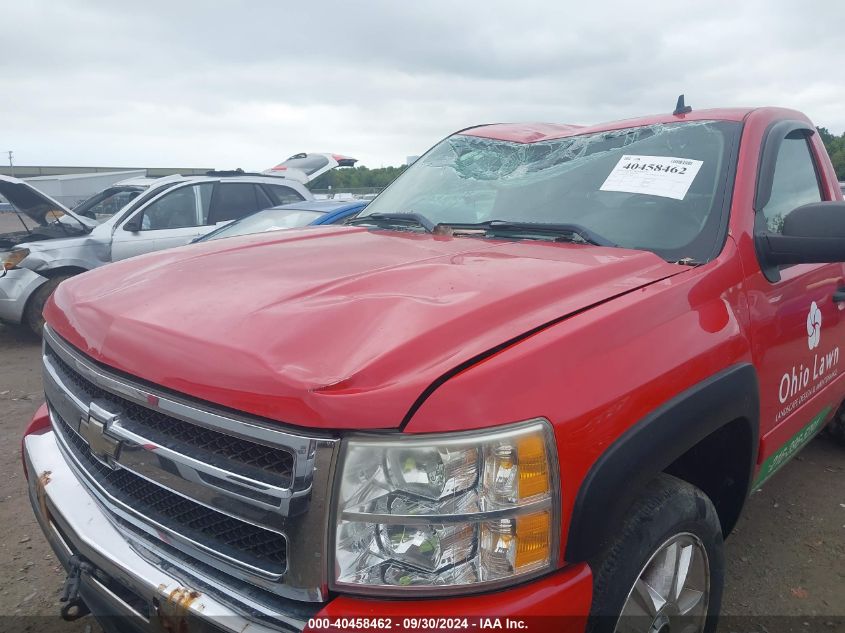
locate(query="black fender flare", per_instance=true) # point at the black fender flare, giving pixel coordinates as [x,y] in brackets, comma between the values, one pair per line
[651,445]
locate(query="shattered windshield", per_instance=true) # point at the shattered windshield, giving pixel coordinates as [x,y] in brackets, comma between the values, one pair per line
[659,187]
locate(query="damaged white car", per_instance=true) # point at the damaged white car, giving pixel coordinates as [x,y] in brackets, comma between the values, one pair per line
[47,243]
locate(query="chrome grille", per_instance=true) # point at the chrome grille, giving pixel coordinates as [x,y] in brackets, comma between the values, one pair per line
[247,457]
[236,493]
[259,548]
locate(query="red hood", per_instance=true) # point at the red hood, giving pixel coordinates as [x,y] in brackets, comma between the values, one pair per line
[330,327]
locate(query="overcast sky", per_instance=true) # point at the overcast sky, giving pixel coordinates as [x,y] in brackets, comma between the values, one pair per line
[207,84]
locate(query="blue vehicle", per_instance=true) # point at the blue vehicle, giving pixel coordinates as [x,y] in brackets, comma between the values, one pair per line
[289,216]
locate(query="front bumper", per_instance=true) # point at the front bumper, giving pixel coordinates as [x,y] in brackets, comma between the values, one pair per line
[129,591]
[16,287]
[132,591]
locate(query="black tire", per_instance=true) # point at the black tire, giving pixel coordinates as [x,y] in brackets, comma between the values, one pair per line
[32,315]
[667,508]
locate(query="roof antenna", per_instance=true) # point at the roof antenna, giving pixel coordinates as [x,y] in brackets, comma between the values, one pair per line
[681,108]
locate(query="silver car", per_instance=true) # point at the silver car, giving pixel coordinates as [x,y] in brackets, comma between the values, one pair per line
[47,243]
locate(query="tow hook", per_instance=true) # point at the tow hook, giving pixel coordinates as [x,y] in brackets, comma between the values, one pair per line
[74,607]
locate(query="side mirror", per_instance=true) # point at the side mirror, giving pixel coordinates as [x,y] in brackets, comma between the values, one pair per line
[133,224]
[811,234]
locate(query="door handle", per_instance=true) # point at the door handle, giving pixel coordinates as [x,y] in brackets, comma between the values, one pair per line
[839,295]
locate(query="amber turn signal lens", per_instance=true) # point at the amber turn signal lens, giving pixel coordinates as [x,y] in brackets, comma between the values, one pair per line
[14,257]
[532,539]
[533,466]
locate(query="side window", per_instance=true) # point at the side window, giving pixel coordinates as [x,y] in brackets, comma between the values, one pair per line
[264,201]
[282,194]
[795,181]
[233,200]
[145,197]
[181,208]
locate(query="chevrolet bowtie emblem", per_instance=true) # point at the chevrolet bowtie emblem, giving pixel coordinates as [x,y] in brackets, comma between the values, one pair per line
[94,430]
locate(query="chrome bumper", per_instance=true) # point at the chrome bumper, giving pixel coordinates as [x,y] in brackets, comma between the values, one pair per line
[136,592]
[16,286]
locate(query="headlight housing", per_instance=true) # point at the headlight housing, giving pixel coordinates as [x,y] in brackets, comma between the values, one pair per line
[14,257]
[456,512]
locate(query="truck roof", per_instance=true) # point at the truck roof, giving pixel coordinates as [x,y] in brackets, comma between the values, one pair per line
[536,132]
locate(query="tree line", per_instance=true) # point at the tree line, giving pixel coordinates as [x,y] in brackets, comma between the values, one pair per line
[363,177]
[835,146]
[357,178]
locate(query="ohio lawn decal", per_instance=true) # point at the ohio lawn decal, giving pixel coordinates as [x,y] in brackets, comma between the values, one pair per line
[800,383]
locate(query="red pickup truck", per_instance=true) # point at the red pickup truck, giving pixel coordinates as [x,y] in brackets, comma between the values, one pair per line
[530,388]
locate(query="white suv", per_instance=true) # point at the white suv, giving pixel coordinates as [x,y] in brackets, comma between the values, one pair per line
[171,212]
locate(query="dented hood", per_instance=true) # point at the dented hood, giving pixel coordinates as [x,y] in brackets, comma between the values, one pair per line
[330,327]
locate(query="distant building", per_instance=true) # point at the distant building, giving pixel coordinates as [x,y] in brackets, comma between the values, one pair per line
[71,185]
[410,160]
[71,189]
[32,171]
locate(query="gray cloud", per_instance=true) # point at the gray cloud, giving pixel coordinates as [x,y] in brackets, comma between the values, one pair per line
[217,84]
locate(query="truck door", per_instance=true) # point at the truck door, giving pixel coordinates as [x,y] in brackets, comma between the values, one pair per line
[173,219]
[798,331]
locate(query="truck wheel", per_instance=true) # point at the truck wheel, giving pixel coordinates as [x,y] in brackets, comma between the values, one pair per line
[665,570]
[32,315]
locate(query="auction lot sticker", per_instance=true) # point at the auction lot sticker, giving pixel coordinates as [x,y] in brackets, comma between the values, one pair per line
[664,176]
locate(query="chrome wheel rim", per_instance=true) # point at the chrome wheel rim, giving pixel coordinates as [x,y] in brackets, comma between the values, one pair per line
[672,592]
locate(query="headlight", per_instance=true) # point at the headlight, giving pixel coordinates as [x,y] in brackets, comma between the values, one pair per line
[446,512]
[14,257]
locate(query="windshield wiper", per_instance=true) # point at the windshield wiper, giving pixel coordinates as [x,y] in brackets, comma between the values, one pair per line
[395,220]
[570,232]
[688,261]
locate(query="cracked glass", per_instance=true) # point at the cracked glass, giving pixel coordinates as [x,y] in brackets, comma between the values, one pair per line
[469,179]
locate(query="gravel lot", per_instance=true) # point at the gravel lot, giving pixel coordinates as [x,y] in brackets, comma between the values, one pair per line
[786,558]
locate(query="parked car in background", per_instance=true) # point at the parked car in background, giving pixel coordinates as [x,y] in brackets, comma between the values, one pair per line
[57,243]
[289,216]
[39,217]
[842,187]
[101,206]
